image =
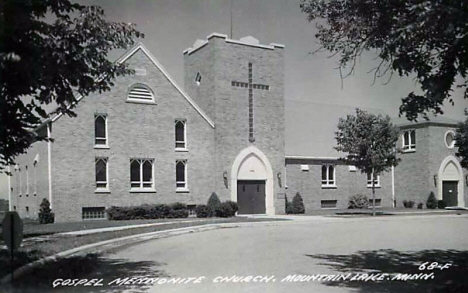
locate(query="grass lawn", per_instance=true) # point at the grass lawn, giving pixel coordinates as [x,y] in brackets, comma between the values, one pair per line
[34,248]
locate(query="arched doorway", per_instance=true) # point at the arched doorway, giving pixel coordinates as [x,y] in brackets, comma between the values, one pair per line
[450,185]
[252,182]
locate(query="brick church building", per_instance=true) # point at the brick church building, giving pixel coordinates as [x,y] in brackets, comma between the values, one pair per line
[149,140]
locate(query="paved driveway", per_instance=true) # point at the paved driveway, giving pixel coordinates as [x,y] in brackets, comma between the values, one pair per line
[310,255]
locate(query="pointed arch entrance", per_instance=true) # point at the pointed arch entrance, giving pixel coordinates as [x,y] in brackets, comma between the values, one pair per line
[450,185]
[252,182]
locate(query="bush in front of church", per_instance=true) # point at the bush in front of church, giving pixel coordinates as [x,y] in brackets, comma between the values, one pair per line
[431,201]
[203,211]
[358,201]
[147,211]
[213,201]
[45,213]
[234,206]
[298,204]
[441,204]
[224,210]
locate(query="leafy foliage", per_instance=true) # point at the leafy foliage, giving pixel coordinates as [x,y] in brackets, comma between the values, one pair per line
[224,210]
[147,211]
[202,211]
[53,60]
[45,213]
[213,202]
[431,202]
[358,201]
[441,204]
[298,204]
[369,142]
[461,141]
[421,38]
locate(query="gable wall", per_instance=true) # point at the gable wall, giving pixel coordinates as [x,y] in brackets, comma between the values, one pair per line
[134,131]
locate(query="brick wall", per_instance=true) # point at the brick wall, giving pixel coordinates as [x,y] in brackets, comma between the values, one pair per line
[29,183]
[348,183]
[134,131]
[220,63]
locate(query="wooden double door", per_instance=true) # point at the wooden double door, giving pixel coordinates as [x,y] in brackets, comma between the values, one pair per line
[251,196]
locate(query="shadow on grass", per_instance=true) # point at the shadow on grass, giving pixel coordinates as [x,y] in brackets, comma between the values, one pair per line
[20,259]
[453,279]
[91,266]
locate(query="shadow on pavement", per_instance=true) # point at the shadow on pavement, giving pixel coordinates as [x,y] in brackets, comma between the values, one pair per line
[91,266]
[453,279]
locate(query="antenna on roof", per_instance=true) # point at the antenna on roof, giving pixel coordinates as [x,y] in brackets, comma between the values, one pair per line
[230,10]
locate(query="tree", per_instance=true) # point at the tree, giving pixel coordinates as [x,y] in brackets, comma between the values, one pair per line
[51,51]
[298,204]
[369,142]
[427,39]
[461,141]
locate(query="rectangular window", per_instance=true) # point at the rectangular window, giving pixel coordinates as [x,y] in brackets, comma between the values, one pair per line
[378,202]
[90,213]
[328,204]
[369,180]
[409,140]
[101,174]
[328,176]
[141,174]
[100,130]
[180,134]
[181,175]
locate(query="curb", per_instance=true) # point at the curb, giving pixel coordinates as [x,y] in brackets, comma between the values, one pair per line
[124,240]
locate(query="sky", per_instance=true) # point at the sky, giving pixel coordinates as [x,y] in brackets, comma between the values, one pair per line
[315,94]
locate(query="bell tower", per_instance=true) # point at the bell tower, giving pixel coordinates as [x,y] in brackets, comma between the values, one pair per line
[240,85]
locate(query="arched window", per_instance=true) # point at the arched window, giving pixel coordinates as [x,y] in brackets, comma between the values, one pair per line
[141,174]
[180,134]
[101,173]
[328,176]
[140,93]
[181,174]
[100,130]
[409,140]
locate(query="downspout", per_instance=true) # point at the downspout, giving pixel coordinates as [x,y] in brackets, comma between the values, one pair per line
[49,161]
[393,187]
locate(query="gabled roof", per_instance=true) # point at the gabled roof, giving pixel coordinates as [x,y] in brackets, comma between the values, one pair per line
[145,51]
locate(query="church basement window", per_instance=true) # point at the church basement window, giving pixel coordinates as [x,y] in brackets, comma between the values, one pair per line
[102,183]
[328,176]
[409,140]
[141,175]
[100,130]
[181,175]
[90,213]
[369,180]
[180,135]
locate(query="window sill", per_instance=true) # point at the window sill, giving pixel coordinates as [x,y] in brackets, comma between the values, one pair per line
[409,151]
[140,102]
[329,186]
[182,190]
[181,150]
[335,208]
[142,190]
[370,186]
[101,146]
[102,190]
